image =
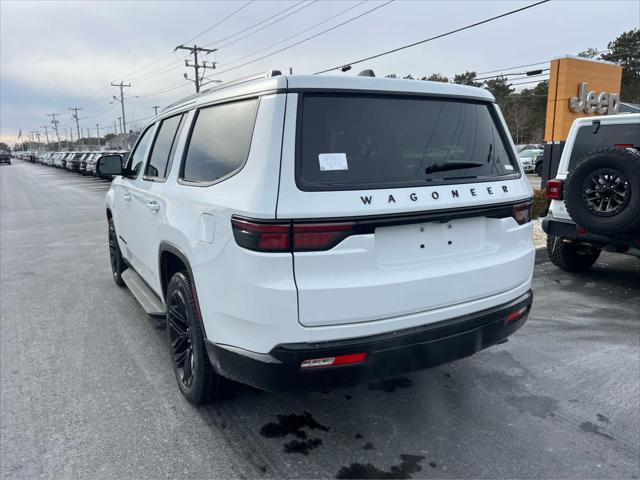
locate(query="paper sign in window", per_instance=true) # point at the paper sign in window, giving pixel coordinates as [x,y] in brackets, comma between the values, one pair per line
[333,161]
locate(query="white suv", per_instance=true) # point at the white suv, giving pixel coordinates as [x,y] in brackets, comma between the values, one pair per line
[303,231]
[595,197]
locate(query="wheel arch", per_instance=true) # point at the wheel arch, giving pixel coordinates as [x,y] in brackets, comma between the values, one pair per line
[172,260]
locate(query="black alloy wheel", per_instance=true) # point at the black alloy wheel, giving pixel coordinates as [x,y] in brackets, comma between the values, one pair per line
[180,339]
[196,378]
[115,256]
[606,192]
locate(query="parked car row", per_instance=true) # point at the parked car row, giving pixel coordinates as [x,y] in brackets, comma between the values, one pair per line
[83,162]
[531,160]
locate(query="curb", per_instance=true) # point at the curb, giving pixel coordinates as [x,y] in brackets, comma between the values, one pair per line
[542,255]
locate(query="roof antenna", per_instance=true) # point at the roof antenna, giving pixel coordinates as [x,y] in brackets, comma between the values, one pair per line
[367,73]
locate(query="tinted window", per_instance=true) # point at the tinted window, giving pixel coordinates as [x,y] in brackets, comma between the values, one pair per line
[137,157]
[220,141]
[163,147]
[589,139]
[365,141]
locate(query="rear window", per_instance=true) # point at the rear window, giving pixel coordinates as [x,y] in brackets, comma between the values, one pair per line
[366,141]
[590,138]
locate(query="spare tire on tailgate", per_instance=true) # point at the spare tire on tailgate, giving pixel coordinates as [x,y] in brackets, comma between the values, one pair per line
[602,193]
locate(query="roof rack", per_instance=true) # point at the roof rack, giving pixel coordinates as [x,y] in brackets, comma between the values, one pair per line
[230,83]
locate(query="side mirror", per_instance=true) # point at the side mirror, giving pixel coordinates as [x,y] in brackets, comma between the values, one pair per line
[109,166]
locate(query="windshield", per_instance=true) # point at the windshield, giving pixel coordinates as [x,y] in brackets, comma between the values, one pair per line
[373,141]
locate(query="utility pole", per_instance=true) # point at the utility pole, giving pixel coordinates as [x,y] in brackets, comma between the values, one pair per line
[122,86]
[46,132]
[75,117]
[156,109]
[98,132]
[55,125]
[39,144]
[71,135]
[115,128]
[196,65]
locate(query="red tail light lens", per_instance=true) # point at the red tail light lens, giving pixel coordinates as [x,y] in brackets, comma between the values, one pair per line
[287,237]
[554,189]
[522,212]
[517,314]
[319,236]
[262,237]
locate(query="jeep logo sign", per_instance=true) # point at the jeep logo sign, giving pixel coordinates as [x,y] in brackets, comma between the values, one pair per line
[588,102]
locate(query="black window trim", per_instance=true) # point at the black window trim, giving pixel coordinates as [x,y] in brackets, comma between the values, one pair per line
[176,136]
[351,187]
[191,183]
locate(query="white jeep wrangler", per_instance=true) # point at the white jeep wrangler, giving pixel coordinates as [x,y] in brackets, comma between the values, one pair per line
[595,197]
[299,232]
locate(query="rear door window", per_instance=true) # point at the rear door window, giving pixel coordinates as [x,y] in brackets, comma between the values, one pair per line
[350,142]
[163,147]
[590,138]
[219,142]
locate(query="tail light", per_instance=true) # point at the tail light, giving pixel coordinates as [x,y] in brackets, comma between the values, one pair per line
[262,237]
[320,236]
[523,212]
[554,189]
[290,236]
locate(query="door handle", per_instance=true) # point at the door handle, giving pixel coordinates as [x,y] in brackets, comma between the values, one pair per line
[126,196]
[153,205]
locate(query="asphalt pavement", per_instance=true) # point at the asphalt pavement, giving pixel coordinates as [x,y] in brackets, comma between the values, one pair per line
[87,388]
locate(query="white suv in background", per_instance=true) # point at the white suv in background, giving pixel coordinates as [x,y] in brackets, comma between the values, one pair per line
[595,197]
[299,232]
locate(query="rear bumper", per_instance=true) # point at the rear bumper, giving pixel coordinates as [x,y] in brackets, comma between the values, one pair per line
[568,229]
[388,354]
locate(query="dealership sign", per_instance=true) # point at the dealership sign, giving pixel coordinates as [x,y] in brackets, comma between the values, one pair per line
[588,101]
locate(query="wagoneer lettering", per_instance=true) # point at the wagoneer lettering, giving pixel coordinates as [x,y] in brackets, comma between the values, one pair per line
[302,232]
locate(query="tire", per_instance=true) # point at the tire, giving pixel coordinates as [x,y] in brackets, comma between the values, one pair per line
[571,257]
[118,264]
[539,169]
[602,193]
[197,380]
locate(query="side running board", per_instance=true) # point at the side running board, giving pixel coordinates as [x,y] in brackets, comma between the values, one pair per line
[147,298]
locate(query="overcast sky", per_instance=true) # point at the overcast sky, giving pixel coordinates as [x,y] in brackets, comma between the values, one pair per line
[56,55]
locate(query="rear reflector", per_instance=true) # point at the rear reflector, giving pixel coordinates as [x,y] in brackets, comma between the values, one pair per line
[516,314]
[522,212]
[350,359]
[554,189]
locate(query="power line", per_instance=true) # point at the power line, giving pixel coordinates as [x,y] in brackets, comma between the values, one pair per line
[306,5]
[297,33]
[306,39]
[255,24]
[208,29]
[171,65]
[451,32]
[191,39]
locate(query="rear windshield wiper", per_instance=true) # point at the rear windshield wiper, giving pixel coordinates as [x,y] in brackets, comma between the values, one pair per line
[441,167]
